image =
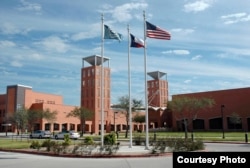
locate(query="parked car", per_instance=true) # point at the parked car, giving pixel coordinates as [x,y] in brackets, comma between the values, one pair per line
[40,134]
[72,135]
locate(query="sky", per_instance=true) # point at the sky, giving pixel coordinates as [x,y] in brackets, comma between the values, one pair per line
[42,43]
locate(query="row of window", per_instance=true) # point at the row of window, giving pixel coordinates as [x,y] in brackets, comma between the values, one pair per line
[91,72]
[91,103]
[153,84]
[92,82]
[2,113]
[86,93]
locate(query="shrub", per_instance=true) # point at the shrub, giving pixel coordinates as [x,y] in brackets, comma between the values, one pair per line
[139,140]
[67,139]
[179,144]
[159,146]
[48,144]
[88,140]
[35,145]
[109,139]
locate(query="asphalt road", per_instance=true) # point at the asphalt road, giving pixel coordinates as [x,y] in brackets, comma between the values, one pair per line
[16,160]
[227,147]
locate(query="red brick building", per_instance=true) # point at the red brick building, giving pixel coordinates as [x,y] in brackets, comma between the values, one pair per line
[157,99]
[18,96]
[229,104]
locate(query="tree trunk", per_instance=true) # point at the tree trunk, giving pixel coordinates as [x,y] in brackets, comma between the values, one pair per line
[126,134]
[83,127]
[186,130]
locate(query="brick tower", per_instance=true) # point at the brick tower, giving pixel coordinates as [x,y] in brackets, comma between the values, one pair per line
[157,99]
[91,89]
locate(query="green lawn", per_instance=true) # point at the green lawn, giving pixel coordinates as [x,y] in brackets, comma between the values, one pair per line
[14,144]
[205,136]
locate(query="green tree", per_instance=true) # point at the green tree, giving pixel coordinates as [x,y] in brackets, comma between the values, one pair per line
[188,108]
[124,105]
[139,118]
[20,119]
[26,118]
[235,119]
[49,115]
[83,114]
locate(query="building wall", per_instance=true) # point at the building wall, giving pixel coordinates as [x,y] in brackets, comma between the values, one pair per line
[234,101]
[91,94]
[2,110]
[32,97]
[157,93]
[157,98]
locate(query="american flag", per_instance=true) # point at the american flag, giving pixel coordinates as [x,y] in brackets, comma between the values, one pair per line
[156,32]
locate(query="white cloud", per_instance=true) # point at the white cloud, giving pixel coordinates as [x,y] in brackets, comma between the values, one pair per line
[6,43]
[54,43]
[35,56]
[16,64]
[126,12]
[94,31]
[177,52]
[8,28]
[197,6]
[235,18]
[187,81]
[197,57]
[27,6]
[184,31]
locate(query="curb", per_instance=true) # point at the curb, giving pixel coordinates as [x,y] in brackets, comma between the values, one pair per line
[89,156]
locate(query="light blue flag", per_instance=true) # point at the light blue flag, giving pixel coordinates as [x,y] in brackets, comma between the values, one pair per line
[110,34]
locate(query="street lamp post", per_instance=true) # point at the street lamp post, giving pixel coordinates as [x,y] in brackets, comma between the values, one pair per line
[114,121]
[222,120]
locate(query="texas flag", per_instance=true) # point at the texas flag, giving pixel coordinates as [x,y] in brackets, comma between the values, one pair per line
[136,42]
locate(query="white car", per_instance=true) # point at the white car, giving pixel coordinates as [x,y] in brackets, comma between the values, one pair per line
[40,134]
[72,135]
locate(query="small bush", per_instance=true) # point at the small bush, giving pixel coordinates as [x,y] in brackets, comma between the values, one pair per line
[48,144]
[159,146]
[35,145]
[179,144]
[109,149]
[57,148]
[139,140]
[88,140]
[110,139]
[67,139]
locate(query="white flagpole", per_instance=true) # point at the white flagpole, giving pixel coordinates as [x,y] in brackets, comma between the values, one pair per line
[129,90]
[146,85]
[102,75]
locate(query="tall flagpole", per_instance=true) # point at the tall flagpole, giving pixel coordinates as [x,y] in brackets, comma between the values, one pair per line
[129,91]
[146,85]
[102,75]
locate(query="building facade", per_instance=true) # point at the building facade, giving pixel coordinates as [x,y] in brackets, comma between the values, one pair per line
[20,96]
[93,88]
[157,100]
[230,113]
[229,105]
